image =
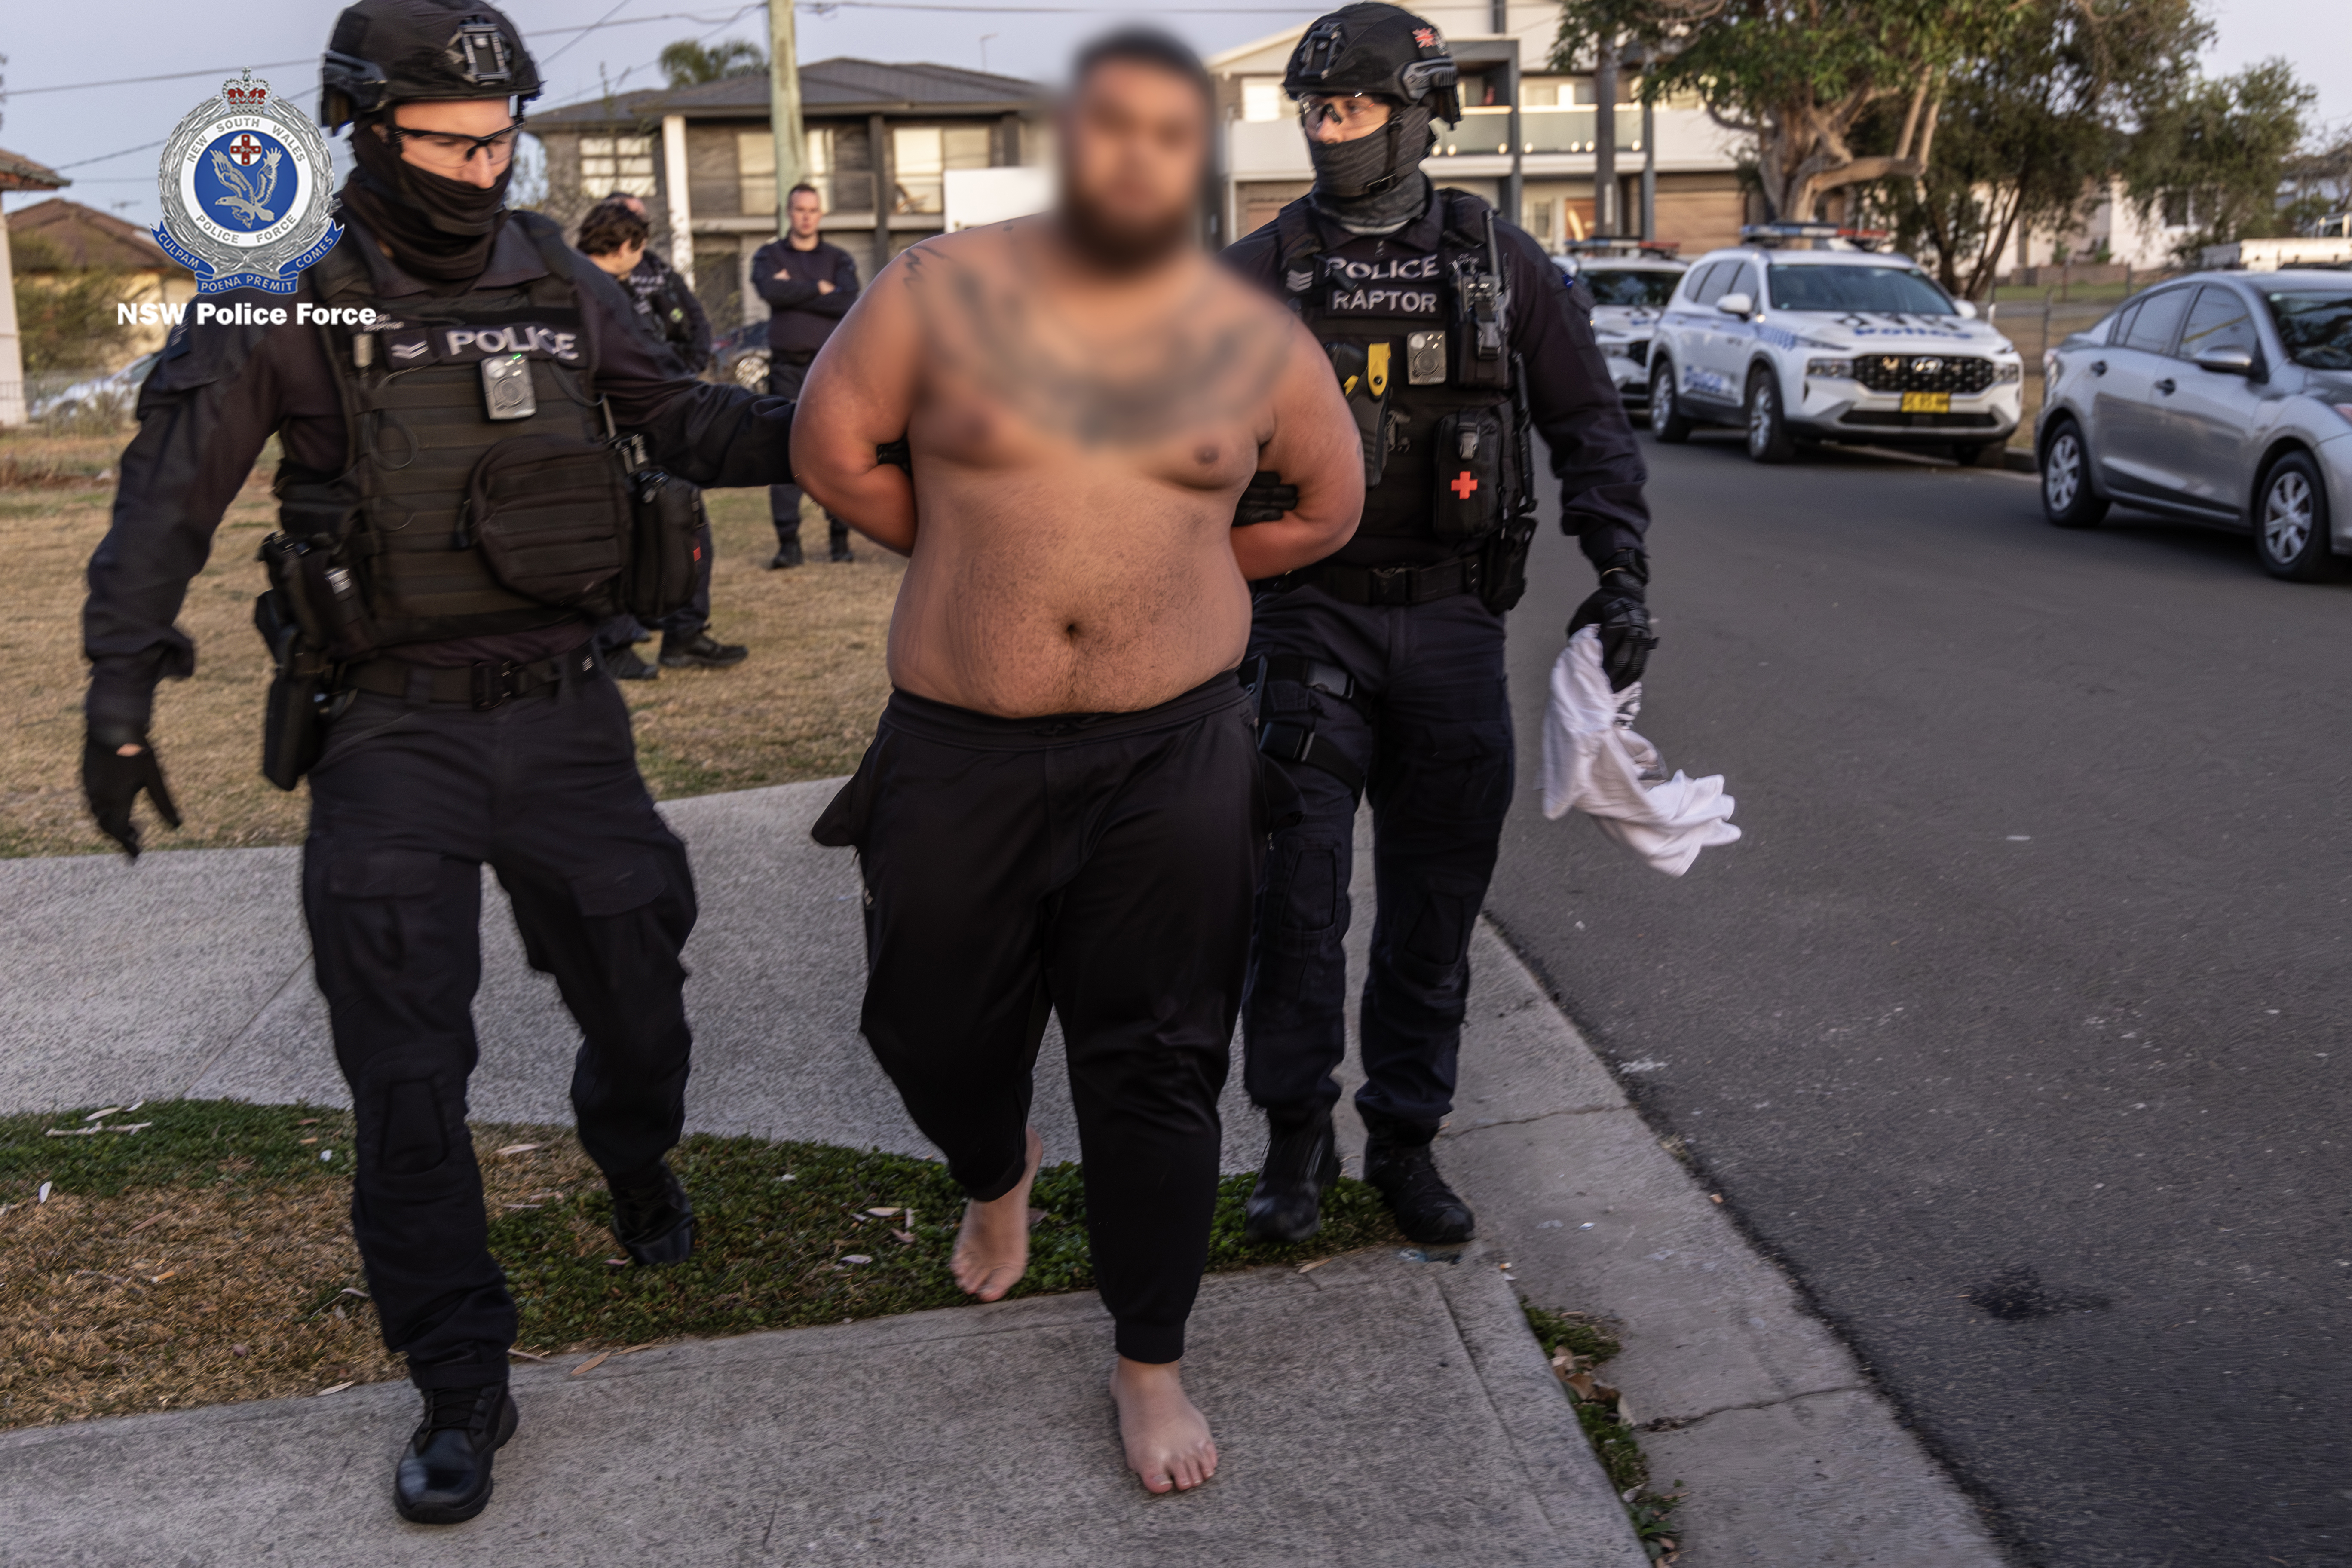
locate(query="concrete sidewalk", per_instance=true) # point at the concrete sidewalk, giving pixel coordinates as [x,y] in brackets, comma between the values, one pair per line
[1341,1398]
[1372,1412]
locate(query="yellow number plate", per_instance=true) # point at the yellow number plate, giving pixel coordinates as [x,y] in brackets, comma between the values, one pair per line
[1927,403]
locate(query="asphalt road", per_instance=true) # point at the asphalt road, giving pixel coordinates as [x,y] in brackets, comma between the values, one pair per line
[2017,1025]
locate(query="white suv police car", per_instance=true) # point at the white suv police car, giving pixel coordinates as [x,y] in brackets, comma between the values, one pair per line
[1840,345]
[1629,294]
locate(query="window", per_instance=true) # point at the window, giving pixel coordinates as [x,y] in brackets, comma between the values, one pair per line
[1623,286]
[2316,328]
[840,164]
[755,167]
[1712,281]
[921,156]
[1744,281]
[1881,291]
[1540,92]
[2219,319]
[609,163]
[1263,99]
[2151,330]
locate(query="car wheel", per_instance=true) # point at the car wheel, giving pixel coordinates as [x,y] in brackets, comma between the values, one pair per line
[1979,454]
[1768,431]
[1666,421]
[2066,497]
[2290,521]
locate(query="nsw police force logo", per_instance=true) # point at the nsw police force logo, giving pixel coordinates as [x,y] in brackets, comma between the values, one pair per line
[245,188]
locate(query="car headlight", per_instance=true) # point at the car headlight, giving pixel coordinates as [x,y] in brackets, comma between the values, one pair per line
[1840,368]
[2007,372]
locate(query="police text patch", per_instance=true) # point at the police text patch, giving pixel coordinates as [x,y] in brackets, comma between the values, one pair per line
[454,344]
[1404,286]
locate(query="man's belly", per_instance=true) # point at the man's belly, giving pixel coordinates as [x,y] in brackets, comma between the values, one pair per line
[1113,605]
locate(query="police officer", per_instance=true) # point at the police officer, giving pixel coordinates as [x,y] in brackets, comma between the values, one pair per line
[809,284]
[613,235]
[449,511]
[1381,670]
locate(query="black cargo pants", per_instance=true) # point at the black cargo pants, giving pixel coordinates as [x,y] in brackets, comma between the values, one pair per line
[406,805]
[1430,730]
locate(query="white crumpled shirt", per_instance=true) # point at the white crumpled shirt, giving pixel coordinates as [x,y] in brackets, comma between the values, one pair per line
[1595,764]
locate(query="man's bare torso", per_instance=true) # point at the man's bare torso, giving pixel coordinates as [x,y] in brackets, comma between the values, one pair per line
[1078,452]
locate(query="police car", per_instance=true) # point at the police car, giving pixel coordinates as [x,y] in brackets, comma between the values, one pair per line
[1630,285]
[1841,345]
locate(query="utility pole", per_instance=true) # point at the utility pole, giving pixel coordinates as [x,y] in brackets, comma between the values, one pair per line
[785,106]
[1606,219]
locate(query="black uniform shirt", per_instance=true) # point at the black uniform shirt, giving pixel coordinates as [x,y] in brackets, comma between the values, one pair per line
[220,391]
[800,315]
[664,299]
[1577,410]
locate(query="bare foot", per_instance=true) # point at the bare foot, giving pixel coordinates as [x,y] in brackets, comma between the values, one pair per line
[1167,1441]
[992,1251]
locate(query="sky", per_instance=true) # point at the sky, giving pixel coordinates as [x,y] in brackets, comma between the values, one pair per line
[96,134]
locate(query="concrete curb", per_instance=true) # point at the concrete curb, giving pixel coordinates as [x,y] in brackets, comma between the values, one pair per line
[1791,1454]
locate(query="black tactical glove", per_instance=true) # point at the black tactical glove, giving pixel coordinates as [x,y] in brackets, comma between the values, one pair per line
[112,782]
[1265,500]
[1621,609]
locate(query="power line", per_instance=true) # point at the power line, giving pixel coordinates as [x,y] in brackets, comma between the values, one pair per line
[306,59]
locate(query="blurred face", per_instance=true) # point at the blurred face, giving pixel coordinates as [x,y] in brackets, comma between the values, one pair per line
[806,212]
[444,139]
[1135,149]
[1332,117]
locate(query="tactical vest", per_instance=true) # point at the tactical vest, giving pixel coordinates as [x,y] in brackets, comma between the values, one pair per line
[1442,437]
[482,493]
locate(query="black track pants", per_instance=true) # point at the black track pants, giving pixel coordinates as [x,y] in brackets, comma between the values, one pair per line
[406,807]
[1430,729]
[1098,867]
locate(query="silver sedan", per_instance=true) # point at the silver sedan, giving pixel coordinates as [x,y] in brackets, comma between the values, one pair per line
[2223,398]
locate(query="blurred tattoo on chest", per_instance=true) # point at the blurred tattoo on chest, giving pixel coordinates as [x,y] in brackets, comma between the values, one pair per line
[1197,365]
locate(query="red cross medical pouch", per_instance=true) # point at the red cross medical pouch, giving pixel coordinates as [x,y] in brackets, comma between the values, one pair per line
[1470,453]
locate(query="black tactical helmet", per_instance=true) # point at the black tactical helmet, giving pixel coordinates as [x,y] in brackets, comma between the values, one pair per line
[407,51]
[1381,50]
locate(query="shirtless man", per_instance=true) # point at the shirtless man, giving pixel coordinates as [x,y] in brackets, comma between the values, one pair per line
[1061,807]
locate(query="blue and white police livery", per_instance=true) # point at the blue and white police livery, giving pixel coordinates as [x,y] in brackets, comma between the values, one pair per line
[1838,345]
[1629,294]
[246,184]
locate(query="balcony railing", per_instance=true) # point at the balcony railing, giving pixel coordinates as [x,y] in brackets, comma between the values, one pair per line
[1542,129]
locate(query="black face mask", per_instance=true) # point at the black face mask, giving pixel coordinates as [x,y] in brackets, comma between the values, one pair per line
[1374,184]
[437,228]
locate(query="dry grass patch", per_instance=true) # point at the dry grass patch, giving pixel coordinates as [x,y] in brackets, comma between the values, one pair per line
[207,1256]
[802,707]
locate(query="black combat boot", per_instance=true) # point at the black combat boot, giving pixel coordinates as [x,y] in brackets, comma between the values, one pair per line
[700,651]
[836,539]
[444,1475]
[652,1218]
[788,551]
[1397,1161]
[624,664]
[1302,1160]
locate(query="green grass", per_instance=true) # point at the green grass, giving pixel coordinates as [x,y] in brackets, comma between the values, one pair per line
[770,1252]
[1614,1441]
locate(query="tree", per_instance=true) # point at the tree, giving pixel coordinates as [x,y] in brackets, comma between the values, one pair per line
[2214,156]
[688,63]
[2033,127]
[65,314]
[1802,76]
